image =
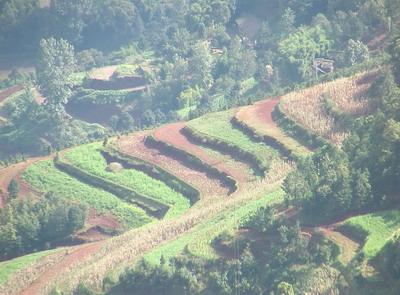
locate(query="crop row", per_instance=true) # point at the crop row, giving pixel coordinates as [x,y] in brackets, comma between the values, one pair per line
[45,177]
[151,206]
[90,159]
[131,162]
[216,131]
[223,177]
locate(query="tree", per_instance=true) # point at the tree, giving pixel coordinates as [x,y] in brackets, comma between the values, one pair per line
[362,190]
[285,289]
[13,188]
[356,52]
[301,47]
[201,64]
[287,21]
[55,67]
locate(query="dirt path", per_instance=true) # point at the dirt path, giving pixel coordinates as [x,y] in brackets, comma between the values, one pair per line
[134,145]
[348,247]
[15,172]
[172,135]
[74,256]
[258,117]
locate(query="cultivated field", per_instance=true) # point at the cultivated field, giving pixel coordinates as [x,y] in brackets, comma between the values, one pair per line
[257,120]
[218,126]
[376,228]
[90,159]
[44,177]
[307,107]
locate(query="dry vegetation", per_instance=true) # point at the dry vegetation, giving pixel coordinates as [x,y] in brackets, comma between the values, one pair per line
[306,106]
[123,250]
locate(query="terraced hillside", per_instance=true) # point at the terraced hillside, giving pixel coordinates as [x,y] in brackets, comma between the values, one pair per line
[203,175]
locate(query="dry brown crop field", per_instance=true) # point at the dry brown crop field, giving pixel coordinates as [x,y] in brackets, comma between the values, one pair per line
[306,106]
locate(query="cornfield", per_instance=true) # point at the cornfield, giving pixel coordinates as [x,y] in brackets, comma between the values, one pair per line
[306,106]
[125,249]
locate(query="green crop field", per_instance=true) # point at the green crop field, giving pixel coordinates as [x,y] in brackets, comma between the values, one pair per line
[379,226]
[45,177]
[8,268]
[199,240]
[217,125]
[90,159]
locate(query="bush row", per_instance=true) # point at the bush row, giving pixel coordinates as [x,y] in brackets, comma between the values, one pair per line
[83,95]
[226,147]
[152,207]
[153,171]
[269,140]
[297,131]
[225,179]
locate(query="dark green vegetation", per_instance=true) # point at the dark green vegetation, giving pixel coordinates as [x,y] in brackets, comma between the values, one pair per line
[195,56]
[102,68]
[31,226]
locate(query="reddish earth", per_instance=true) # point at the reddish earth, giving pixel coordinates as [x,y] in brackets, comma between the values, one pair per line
[15,171]
[134,145]
[172,135]
[95,219]
[73,256]
[262,111]
[9,91]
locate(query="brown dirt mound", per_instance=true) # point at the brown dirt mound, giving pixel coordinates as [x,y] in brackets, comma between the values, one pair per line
[134,145]
[172,135]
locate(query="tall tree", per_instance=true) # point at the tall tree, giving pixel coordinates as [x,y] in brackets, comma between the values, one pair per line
[55,67]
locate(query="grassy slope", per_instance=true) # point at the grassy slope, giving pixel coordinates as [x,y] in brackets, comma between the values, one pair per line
[218,125]
[45,177]
[380,226]
[89,158]
[199,239]
[8,268]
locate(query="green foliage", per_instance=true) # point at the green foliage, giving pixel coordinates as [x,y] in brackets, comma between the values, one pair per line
[356,52]
[90,159]
[218,126]
[379,227]
[55,66]
[8,268]
[301,47]
[322,183]
[13,188]
[45,177]
[27,226]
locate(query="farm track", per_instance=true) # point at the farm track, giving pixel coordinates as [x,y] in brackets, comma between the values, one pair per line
[91,262]
[14,172]
[172,134]
[71,259]
[123,250]
[134,145]
[348,247]
[257,119]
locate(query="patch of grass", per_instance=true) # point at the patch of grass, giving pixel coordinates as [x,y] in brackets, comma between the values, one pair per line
[379,226]
[126,70]
[198,241]
[8,268]
[217,125]
[89,158]
[45,177]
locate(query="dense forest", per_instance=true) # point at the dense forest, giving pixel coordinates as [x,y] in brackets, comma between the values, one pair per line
[91,71]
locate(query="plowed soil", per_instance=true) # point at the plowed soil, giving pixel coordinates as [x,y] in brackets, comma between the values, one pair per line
[134,145]
[259,118]
[172,135]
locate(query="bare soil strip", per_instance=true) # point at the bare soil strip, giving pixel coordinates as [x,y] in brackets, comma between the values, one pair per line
[172,134]
[134,145]
[258,118]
